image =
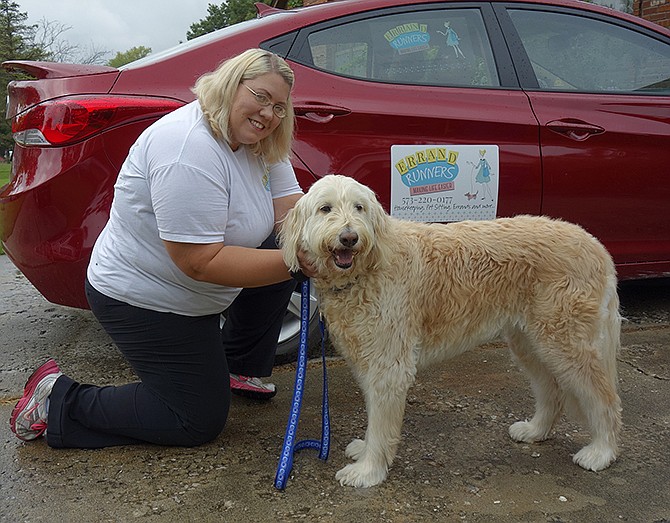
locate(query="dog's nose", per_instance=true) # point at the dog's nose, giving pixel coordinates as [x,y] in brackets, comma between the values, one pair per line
[348,238]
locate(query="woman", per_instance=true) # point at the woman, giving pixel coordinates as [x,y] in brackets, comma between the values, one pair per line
[200,190]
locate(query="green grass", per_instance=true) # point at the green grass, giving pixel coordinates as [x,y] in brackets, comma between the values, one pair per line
[4,173]
[4,178]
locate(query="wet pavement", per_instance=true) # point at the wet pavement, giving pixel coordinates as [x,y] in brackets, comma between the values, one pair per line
[455,463]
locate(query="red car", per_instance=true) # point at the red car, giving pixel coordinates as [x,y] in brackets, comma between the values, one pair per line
[547,107]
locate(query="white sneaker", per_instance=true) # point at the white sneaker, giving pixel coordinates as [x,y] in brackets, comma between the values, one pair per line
[253,388]
[29,417]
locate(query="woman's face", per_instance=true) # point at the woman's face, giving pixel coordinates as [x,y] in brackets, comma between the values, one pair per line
[250,122]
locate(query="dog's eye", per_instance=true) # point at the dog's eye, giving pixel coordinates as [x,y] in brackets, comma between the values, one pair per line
[359,207]
[325,209]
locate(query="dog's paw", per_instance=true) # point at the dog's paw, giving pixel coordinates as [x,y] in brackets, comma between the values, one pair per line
[595,457]
[361,474]
[355,450]
[526,432]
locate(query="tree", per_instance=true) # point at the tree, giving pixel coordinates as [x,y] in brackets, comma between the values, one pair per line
[231,12]
[49,38]
[216,19]
[132,54]
[17,38]
[241,10]
[17,42]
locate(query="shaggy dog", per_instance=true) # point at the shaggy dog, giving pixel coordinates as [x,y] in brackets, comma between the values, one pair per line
[398,295]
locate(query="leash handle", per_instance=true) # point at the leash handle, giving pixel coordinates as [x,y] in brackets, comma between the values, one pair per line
[286,458]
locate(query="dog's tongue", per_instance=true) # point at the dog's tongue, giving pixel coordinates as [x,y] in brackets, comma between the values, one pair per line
[344,258]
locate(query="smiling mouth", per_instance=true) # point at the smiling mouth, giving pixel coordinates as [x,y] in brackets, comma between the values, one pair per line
[344,258]
[257,124]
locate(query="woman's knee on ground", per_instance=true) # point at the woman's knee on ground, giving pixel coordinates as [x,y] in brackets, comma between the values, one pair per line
[204,426]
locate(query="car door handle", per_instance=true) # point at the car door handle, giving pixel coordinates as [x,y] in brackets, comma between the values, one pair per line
[319,113]
[574,129]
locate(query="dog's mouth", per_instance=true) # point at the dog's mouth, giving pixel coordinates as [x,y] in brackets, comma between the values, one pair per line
[344,258]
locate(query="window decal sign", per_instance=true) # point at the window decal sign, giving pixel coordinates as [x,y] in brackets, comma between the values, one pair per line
[452,39]
[444,183]
[408,38]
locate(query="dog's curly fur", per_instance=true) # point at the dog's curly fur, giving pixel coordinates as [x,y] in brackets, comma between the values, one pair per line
[398,295]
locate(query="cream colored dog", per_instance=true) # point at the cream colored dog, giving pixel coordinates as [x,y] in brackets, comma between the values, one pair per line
[398,295]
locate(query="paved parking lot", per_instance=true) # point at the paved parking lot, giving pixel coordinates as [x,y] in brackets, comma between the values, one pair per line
[456,462]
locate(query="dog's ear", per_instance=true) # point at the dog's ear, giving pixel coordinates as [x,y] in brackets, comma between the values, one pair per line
[380,225]
[378,215]
[289,235]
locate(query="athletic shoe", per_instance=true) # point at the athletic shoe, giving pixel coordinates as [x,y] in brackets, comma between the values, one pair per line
[29,417]
[252,388]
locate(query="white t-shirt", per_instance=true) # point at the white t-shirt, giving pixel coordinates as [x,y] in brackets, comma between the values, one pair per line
[179,183]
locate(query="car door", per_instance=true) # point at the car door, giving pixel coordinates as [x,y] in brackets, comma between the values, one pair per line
[600,89]
[422,74]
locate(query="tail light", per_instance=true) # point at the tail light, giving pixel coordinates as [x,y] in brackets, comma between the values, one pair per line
[65,121]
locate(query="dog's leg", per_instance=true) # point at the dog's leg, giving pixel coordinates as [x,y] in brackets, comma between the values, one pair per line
[600,405]
[586,371]
[385,396]
[596,393]
[548,397]
[577,378]
[356,449]
[584,383]
[578,341]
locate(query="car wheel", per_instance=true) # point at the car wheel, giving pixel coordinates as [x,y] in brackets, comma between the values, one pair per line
[289,337]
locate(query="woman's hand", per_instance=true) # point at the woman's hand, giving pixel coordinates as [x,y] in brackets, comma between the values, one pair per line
[306,266]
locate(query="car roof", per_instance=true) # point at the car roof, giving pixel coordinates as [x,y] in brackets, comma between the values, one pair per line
[343,7]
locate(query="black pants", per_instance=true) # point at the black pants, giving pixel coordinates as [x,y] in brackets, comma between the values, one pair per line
[183,364]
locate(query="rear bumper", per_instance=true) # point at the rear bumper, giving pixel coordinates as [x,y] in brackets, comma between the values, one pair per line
[48,228]
[56,205]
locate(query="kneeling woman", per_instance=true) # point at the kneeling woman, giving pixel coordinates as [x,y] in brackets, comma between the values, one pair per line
[200,191]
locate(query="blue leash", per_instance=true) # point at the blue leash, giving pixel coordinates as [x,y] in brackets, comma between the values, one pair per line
[323,446]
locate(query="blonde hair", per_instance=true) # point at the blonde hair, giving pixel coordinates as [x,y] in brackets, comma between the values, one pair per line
[216,91]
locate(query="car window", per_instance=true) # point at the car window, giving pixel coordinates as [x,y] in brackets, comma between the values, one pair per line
[446,47]
[573,53]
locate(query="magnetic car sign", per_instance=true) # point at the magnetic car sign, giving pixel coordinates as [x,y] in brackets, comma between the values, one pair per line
[444,183]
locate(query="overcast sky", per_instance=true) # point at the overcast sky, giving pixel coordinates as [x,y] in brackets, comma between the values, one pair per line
[118,25]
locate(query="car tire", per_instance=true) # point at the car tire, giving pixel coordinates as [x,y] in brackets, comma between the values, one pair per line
[289,338]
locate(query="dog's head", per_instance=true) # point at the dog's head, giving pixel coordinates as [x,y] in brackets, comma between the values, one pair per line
[338,224]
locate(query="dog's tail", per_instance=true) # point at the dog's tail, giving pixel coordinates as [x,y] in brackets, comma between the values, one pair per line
[611,329]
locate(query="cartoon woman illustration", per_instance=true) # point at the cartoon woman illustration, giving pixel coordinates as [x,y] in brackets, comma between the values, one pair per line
[452,39]
[482,176]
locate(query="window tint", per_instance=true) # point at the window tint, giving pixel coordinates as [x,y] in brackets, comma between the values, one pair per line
[439,47]
[572,53]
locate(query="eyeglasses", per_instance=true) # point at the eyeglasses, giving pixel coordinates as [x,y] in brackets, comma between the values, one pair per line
[264,101]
